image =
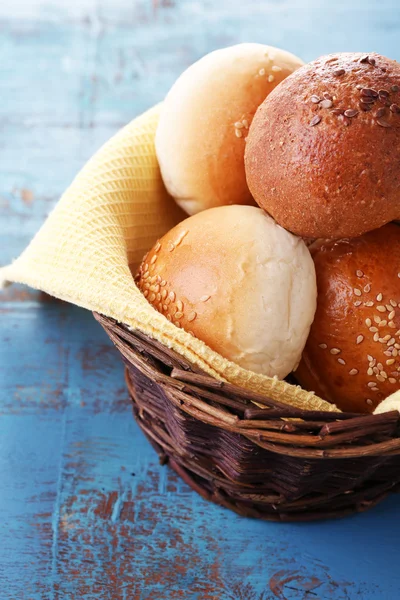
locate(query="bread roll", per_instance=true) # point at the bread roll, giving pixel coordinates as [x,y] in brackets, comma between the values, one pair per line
[322,154]
[237,281]
[204,123]
[352,356]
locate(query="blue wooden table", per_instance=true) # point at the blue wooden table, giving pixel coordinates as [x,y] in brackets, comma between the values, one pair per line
[86,512]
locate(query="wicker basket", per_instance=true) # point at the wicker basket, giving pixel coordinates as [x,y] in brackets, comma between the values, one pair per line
[277,463]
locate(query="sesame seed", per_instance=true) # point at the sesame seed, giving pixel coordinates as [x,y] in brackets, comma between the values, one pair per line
[238,133]
[146,293]
[380,366]
[315,99]
[397,332]
[368,322]
[391,315]
[172,296]
[179,305]
[388,352]
[350,113]
[341,361]
[391,361]
[369,303]
[163,283]
[158,297]
[326,103]
[369,401]
[178,314]
[375,389]
[315,120]
[323,346]
[381,340]
[380,378]
[192,316]
[376,337]
[359,339]
[369,357]
[181,237]
[169,318]
[153,260]
[392,324]
[205,298]
[357,292]
[370,372]
[380,112]
[165,307]
[371,384]
[271,78]
[353,372]
[392,380]
[276,68]
[357,303]
[393,303]
[367,288]
[245,123]
[375,370]
[383,123]
[177,324]
[373,329]
[391,341]
[152,297]
[398,275]
[383,323]
[239,125]
[359,273]
[379,297]
[261,72]
[377,319]
[369,92]
[171,246]
[373,362]
[381,308]
[388,307]
[335,351]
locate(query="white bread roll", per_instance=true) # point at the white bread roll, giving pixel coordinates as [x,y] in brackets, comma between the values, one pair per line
[390,403]
[204,122]
[238,282]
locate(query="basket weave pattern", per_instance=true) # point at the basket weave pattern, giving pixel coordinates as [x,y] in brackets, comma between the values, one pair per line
[277,462]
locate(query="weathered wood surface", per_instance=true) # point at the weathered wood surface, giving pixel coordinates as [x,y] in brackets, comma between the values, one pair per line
[85,509]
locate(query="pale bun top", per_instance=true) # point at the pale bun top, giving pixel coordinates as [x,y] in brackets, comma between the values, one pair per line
[238,282]
[352,356]
[204,122]
[322,155]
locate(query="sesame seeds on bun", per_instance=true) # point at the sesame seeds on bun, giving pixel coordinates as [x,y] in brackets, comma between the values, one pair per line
[205,120]
[237,281]
[352,356]
[322,154]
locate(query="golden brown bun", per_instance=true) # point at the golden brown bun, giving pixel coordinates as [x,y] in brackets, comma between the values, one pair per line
[238,282]
[204,122]
[321,174]
[352,356]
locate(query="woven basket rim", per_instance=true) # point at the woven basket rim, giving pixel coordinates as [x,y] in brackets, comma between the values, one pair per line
[287,430]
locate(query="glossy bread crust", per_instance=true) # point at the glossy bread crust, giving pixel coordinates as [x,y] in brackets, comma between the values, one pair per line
[352,356]
[323,151]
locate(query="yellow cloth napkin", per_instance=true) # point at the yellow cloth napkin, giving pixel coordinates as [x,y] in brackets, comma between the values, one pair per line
[114,211]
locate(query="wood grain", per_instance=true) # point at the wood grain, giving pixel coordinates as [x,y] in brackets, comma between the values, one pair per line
[86,511]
